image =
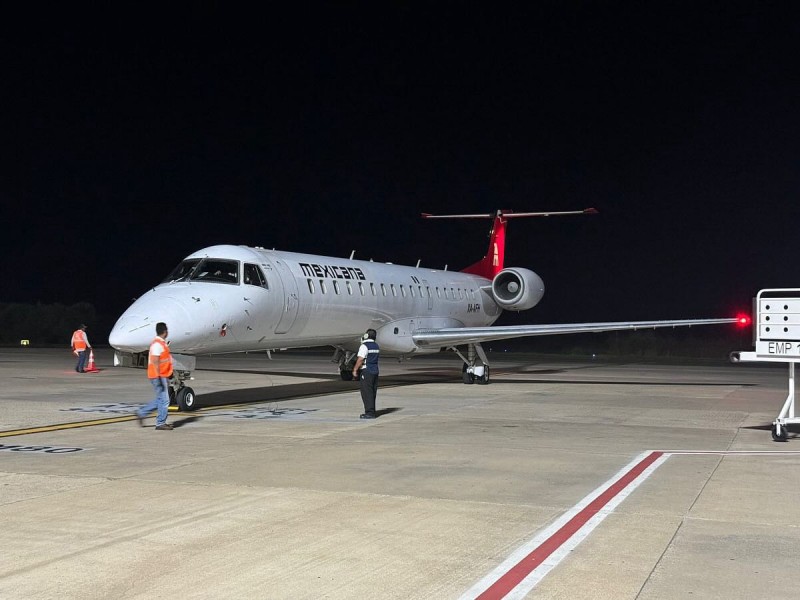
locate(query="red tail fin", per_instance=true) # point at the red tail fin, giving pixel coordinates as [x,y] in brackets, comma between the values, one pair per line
[492,263]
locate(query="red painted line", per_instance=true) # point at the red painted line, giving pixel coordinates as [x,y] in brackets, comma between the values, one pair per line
[516,574]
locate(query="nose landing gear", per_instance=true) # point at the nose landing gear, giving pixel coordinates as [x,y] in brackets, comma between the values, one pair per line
[180,393]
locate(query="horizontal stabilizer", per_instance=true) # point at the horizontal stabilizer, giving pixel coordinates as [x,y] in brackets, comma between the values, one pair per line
[492,262]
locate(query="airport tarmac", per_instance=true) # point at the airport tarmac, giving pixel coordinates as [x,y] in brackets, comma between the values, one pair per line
[561,479]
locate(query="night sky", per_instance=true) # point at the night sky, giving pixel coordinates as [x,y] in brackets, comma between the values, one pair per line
[130,140]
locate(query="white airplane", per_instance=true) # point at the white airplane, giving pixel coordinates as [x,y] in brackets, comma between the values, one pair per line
[225,299]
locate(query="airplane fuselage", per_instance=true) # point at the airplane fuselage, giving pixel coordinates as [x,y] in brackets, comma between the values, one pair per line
[263,299]
[225,299]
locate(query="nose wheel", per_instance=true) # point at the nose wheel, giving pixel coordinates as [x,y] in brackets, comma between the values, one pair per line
[186,400]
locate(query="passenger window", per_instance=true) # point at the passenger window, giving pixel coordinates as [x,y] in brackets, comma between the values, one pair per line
[361,288]
[372,288]
[310,285]
[394,291]
[322,286]
[411,289]
[402,290]
[336,287]
[383,289]
[254,276]
[349,288]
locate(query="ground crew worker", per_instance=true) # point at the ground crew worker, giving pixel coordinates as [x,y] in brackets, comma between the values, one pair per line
[79,345]
[366,370]
[159,370]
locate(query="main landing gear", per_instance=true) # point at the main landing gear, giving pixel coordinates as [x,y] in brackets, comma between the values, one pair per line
[346,361]
[474,370]
[476,365]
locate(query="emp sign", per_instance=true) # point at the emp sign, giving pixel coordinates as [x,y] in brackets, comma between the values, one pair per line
[777,339]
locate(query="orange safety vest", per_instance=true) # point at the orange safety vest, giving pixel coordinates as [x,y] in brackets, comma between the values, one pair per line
[159,366]
[78,340]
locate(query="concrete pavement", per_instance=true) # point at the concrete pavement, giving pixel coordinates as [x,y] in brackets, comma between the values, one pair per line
[292,496]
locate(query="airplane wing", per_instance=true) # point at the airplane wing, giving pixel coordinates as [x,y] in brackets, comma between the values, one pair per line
[456,336]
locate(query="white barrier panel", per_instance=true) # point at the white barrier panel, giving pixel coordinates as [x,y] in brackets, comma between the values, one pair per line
[777,328]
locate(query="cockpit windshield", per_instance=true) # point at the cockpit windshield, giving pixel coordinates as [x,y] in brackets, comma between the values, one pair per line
[182,271]
[216,270]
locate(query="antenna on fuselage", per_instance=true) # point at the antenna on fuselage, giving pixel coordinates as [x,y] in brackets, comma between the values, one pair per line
[352,254]
[418,261]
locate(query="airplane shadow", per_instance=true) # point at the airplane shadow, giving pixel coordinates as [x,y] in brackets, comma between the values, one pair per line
[333,384]
[617,382]
[329,376]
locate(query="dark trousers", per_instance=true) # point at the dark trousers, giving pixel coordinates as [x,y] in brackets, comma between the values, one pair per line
[369,390]
[81,361]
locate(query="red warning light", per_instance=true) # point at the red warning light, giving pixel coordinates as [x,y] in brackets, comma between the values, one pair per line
[743,320]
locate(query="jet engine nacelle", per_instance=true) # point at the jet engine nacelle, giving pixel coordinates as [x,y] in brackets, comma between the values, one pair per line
[517,289]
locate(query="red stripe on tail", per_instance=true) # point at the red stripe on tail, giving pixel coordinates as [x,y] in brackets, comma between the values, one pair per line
[491,264]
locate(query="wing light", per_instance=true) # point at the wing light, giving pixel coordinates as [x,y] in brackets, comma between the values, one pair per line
[743,320]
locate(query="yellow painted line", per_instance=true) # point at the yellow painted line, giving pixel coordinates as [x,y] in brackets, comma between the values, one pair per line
[120,419]
[107,421]
[62,426]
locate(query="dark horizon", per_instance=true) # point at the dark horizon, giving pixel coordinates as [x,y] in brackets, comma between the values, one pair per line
[128,146]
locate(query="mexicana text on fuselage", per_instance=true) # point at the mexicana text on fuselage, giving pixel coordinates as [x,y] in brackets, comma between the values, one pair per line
[332,272]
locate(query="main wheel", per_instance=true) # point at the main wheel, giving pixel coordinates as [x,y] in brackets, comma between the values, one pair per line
[186,399]
[347,374]
[467,378]
[779,436]
[484,379]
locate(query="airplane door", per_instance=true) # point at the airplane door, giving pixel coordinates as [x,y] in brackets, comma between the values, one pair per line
[290,298]
[257,303]
[428,292]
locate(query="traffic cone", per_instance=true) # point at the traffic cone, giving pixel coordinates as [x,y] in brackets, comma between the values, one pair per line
[91,368]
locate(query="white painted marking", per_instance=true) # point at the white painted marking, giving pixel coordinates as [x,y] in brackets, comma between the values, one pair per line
[550,546]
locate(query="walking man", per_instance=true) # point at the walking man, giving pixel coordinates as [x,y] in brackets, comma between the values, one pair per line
[159,370]
[366,370]
[79,345]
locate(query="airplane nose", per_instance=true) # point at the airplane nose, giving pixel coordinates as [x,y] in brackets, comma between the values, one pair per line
[135,329]
[132,333]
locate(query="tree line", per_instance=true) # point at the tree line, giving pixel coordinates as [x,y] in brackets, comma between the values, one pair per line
[44,324]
